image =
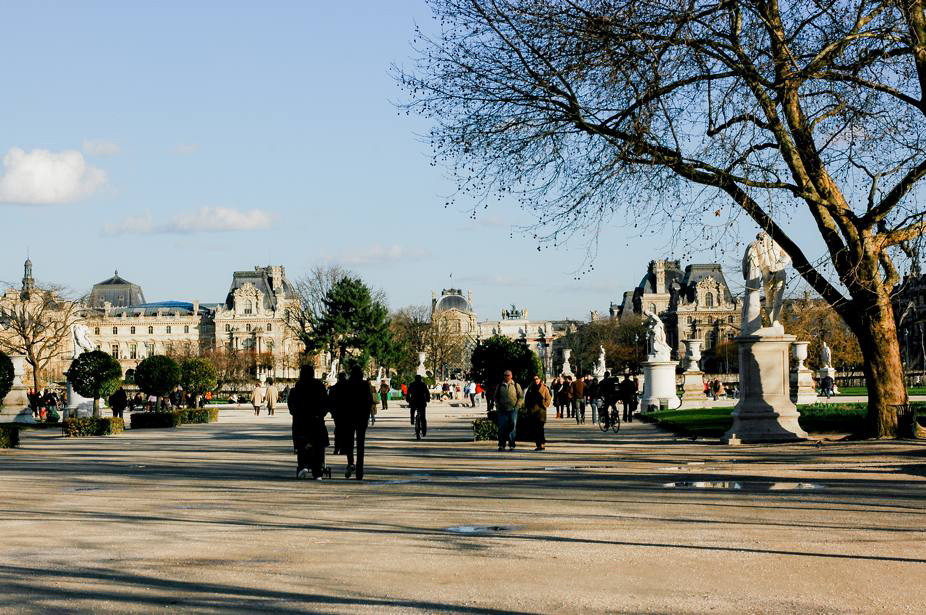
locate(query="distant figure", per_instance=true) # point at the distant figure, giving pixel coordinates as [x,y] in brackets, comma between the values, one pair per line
[826,386]
[272,396]
[118,401]
[578,400]
[384,395]
[537,399]
[592,396]
[339,412]
[358,402]
[418,397]
[609,391]
[257,398]
[308,404]
[508,398]
[628,393]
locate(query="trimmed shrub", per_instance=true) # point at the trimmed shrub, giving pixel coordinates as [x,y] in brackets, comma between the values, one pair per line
[9,436]
[92,426]
[95,374]
[154,420]
[6,375]
[487,428]
[157,375]
[187,416]
[197,375]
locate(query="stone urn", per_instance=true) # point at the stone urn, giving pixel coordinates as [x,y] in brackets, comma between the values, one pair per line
[693,354]
[799,352]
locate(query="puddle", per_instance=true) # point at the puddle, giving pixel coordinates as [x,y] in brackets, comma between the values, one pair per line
[87,489]
[480,530]
[730,485]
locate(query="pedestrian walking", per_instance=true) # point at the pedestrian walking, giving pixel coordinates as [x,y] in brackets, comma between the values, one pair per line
[508,398]
[537,399]
[118,401]
[308,404]
[384,394]
[628,393]
[578,400]
[418,397]
[272,396]
[591,395]
[357,402]
[257,398]
[339,413]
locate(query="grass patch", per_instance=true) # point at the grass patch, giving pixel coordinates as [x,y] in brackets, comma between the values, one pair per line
[815,418]
[863,391]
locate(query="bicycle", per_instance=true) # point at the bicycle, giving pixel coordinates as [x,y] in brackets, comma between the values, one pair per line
[609,418]
[420,427]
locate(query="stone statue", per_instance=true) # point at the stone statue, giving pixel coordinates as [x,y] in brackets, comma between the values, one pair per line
[764,264]
[658,349]
[421,369]
[600,368]
[80,335]
[827,356]
[567,369]
[332,378]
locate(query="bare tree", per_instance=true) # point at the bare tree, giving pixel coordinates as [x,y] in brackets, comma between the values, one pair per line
[306,311]
[38,325]
[587,107]
[421,331]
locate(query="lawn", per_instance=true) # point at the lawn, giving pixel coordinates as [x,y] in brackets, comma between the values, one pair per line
[863,391]
[815,418]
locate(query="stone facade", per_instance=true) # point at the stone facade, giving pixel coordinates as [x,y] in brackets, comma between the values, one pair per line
[909,300]
[515,324]
[693,304]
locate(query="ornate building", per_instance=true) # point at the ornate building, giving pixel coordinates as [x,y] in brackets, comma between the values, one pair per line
[456,309]
[514,323]
[693,304]
[909,300]
[252,319]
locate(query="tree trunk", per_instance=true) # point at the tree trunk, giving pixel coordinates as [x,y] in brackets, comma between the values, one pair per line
[96,407]
[877,335]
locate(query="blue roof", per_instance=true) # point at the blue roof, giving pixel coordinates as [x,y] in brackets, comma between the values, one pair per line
[167,304]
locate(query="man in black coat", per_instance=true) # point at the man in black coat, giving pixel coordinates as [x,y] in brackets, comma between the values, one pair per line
[418,397]
[355,403]
[118,401]
[308,403]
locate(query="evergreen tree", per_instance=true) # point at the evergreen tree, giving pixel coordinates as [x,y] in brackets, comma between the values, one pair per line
[353,323]
[493,356]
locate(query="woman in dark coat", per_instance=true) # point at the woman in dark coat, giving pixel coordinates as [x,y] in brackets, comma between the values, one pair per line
[308,403]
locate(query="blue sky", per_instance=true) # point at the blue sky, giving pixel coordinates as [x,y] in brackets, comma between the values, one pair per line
[187,140]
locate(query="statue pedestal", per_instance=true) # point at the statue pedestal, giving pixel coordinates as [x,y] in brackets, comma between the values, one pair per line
[693,386]
[77,405]
[765,412]
[802,387]
[659,385]
[15,406]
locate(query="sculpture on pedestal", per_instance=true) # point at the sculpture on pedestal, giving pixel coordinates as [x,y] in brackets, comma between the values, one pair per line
[600,368]
[764,265]
[567,369]
[332,378]
[827,355]
[421,370]
[80,335]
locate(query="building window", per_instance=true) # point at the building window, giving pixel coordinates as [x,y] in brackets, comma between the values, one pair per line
[133,351]
[149,349]
[269,327]
[115,351]
[249,307]
[730,319]
[227,328]
[248,328]
[168,328]
[709,300]
[150,330]
[115,330]
[186,328]
[96,330]
[132,330]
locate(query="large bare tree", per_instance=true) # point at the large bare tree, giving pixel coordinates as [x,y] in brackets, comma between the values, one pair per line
[38,325]
[812,108]
[420,330]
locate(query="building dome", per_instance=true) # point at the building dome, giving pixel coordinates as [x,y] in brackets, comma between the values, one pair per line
[452,299]
[116,291]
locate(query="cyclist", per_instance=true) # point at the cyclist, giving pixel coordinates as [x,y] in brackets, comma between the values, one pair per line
[418,396]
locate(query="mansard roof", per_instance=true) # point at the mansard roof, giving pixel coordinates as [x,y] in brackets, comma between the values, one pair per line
[116,291]
[698,272]
[266,280]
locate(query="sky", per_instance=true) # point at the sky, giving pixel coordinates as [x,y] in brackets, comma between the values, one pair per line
[177,142]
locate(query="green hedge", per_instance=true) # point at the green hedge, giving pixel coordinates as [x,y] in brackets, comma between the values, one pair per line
[815,418]
[89,426]
[487,428]
[187,416]
[9,436]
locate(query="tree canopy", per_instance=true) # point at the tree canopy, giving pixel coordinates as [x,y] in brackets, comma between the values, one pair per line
[95,374]
[197,375]
[157,375]
[673,111]
[624,342]
[352,323]
[492,356]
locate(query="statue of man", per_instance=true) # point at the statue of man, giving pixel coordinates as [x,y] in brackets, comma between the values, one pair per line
[764,264]
[827,355]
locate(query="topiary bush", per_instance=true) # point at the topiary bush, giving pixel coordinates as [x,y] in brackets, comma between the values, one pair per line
[6,375]
[9,436]
[158,376]
[95,374]
[92,426]
[155,420]
[487,428]
[194,416]
[197,375]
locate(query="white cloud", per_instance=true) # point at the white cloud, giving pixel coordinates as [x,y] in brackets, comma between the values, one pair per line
[100,147]
[185,149]
[41,177]
[378,255]
[204,220]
